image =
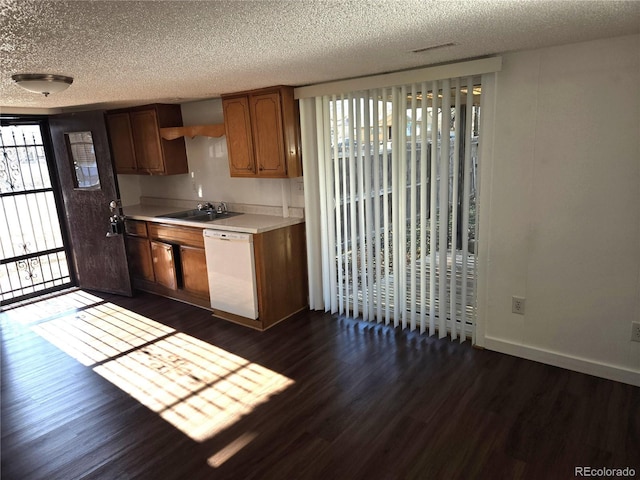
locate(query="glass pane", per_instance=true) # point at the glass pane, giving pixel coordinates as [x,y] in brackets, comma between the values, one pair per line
[399,171]
[23,165]
[83,160]
[31,223]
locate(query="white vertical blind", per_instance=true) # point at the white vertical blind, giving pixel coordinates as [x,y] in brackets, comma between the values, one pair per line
[466,207]
[315,238]
[424,204]
[397,203]
[337,232]
[443,208]
[401,228]
[325,195]
[375,192]
[386,216]
[433,226]
[454,212]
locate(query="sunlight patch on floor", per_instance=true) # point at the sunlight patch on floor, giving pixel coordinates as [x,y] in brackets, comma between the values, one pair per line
[197,387]
[230,450]
[41,309]
[100,332]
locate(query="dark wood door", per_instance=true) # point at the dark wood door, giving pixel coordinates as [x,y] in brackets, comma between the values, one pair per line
[100,262]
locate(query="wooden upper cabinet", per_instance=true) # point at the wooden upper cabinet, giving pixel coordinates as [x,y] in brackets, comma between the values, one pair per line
[267,134]
[124,157]
[263,133]
[136,144]
[237,126]
[146,141]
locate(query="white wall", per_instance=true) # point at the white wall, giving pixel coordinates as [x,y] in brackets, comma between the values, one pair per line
[209,177]
[560,204]
[562,209]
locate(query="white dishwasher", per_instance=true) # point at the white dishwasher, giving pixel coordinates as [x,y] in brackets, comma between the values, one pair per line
[232,272]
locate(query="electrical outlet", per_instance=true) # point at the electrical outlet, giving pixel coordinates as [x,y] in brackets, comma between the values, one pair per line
[635,331]
[517,305]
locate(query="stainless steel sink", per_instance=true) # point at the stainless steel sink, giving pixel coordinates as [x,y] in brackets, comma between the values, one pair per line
[196,215]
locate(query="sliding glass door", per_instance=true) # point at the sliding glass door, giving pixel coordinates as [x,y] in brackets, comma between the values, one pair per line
[397,180]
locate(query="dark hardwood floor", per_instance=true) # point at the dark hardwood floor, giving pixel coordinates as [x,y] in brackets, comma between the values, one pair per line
[359,401]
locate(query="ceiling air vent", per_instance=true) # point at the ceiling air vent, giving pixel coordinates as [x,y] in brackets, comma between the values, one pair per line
[433,47]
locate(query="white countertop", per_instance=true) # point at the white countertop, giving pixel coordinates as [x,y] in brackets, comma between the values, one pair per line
[245,222]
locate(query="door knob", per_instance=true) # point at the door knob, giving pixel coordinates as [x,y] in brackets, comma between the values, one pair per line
[116,219]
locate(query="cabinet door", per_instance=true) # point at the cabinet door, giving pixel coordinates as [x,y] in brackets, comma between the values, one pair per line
[164,265]
[194,271]
[122,149]
[140,261]
[266,117]
[237,125]
[146,141]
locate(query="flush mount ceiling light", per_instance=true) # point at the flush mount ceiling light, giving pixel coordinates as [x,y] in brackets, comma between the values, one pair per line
[44,83]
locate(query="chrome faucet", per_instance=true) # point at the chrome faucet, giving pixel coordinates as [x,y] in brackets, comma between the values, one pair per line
[222,208]
[205,206]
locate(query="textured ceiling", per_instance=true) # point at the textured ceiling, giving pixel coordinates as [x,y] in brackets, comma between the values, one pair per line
[125,53]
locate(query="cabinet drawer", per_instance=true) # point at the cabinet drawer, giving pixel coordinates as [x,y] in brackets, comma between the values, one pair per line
[176,234]
[136,228]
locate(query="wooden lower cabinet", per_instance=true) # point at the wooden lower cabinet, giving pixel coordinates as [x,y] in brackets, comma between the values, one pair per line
[194,271]
[281,277]
[281,273]
[170,260]
[164,264]
[140,260]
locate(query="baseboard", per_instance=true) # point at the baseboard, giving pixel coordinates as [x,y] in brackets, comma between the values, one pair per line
[577,364]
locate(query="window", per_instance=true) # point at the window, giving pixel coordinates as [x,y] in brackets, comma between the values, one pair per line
[83,160]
